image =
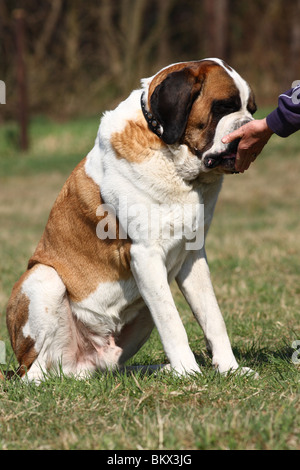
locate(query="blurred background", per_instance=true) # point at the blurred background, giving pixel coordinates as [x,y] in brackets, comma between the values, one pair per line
[72,57]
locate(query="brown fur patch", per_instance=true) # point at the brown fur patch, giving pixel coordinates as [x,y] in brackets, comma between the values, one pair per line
[251,103]
[25,353]
[70,244]
[136,142]
[17,309]
[17,317]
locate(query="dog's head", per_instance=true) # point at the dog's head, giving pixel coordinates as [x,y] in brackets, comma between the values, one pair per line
[196,104]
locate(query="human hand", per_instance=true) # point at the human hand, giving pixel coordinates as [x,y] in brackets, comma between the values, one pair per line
[254,135]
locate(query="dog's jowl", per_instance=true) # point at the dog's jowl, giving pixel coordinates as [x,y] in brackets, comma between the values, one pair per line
[93,292]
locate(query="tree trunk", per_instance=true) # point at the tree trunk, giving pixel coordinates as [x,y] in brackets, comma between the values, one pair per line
[19,17]
[295,42]
[216,14]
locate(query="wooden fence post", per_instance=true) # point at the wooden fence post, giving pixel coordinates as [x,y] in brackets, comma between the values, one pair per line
[23,116]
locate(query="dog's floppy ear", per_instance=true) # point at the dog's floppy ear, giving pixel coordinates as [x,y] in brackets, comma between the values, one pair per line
[172,100]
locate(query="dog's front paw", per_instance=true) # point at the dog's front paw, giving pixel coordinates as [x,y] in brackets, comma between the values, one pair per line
[182,371]
[240,371]
[246,371]
[230,366]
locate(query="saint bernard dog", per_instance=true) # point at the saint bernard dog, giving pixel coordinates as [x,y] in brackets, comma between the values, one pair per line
[94,290]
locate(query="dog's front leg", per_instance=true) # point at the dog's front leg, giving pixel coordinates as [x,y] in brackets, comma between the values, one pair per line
[195,284]
[151,277]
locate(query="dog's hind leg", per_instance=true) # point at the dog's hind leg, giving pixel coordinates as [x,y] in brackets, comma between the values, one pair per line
[33,318]
[132,337]
[134,334]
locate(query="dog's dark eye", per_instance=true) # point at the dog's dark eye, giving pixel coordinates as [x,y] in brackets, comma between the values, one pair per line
[224,107]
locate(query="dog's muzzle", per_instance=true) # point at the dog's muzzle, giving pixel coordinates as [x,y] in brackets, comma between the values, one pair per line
[226,158]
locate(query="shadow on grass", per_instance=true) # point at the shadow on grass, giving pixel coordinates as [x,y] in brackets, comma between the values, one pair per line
[262,355]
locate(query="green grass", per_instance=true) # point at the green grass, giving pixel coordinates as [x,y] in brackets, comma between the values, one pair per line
[254,254]
[54,146]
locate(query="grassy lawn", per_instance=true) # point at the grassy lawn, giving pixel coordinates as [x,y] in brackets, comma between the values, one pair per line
[254,253]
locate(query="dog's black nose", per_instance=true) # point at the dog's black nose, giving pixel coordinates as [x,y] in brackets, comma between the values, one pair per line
[211,161]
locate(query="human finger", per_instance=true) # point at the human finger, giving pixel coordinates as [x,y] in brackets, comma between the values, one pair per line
[237,134]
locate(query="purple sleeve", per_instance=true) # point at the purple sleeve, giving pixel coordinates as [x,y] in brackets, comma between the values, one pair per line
[285,120]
